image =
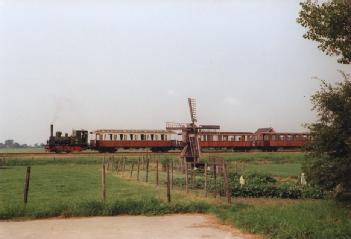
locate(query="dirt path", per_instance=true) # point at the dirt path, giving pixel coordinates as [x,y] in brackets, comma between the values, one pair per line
[128,227]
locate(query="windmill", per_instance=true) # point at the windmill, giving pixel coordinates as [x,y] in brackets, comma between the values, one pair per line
[191,132]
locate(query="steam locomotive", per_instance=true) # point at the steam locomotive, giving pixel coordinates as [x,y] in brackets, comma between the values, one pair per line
[110,140]
[59,143]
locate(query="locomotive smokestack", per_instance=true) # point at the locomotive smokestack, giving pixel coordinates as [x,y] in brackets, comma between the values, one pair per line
[51,130]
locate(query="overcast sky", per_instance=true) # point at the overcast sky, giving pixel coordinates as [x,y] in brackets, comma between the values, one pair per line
[132,64]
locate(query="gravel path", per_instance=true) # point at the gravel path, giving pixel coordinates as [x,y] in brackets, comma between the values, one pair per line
[121,227]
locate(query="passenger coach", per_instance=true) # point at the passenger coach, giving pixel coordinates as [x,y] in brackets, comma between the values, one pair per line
[265,139]
[109,140]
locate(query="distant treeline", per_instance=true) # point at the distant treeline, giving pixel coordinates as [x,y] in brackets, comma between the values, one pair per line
[10,143]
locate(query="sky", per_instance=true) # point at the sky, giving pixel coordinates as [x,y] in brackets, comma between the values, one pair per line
[132,65]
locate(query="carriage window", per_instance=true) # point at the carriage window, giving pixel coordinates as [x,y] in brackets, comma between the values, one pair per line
[162,137]
[142,137]
[274,137]
[136,137]
[121,137]
[166,137]
[266,137]
[131,137]
[156,136]
[282,137]
[115,137]
[289,137]
[152,137]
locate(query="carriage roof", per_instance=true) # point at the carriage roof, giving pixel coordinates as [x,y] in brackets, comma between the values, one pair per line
[133,131]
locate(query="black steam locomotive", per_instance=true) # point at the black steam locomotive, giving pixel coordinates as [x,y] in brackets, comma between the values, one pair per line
[59,143]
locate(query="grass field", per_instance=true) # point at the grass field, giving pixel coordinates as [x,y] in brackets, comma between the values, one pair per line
[71,186]
[22,150]
[72,189]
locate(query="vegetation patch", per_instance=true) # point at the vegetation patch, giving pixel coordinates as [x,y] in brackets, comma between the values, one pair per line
[257,185]
[305,220]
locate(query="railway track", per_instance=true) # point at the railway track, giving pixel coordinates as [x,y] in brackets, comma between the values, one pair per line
[47,154]
[77,154]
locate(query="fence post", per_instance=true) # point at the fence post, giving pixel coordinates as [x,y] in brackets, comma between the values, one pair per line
[168,185]
[205,180]
[215,179]
[124,165]
[26,186]
[157,178]
[118,167]
[186,177]
[147,169]
[103,182]
[172,174]
[138,168]
[226,184]
[131,171]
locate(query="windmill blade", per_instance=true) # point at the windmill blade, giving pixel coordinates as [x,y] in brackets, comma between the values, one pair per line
[192,107]
[209,126]
[175,126]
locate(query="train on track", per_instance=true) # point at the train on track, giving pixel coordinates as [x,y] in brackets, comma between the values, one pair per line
[111,140]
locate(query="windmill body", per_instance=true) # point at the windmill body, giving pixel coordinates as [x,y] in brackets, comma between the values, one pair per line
[191,134]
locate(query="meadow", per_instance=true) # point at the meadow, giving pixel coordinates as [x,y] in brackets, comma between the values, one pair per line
[71,186]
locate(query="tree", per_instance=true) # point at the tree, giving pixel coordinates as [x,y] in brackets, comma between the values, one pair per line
[328,23]
[329,152]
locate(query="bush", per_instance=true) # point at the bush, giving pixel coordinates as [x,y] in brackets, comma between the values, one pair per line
[257,185]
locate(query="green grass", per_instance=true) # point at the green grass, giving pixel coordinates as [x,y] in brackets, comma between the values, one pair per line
[76,160]
[72,187]
[22,150]
[282,157]
[284,170]
[76,190]
[306,219]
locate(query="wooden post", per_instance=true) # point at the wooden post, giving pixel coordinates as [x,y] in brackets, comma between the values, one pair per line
[147,169]
[186,177]
[131,171]
[215,179]
[103,182]
[117,165]
[26,186]
[138,169]
[157,178]
[168,185]
[124,164]
[192,166]
[205,180]
[226,184]
[172,174]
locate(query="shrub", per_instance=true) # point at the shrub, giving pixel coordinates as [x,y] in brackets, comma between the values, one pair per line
[257,185]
